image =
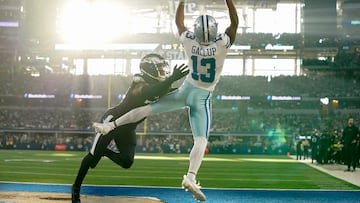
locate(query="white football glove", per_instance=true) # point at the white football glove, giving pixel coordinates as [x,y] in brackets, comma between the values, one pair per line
[104,128]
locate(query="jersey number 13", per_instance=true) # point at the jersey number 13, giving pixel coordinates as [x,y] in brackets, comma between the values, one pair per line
[206,63]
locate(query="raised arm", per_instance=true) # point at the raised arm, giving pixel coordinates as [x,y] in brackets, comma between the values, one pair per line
[179,17]
[234,21]
[163,87]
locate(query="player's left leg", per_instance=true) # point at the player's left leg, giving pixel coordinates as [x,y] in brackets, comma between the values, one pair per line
[89,161]
[200,120]
[196,156]
[125,141]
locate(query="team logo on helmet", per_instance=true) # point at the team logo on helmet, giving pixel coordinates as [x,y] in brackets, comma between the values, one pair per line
[205,29]
[154,68]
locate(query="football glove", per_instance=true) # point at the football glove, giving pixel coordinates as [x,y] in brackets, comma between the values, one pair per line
[104,128]
[179,72]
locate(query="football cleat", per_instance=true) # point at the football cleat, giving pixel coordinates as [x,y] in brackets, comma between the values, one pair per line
[103,128]
[194,188]
[75,194]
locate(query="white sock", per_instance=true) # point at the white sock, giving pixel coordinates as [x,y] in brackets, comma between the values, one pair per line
[191,176]
[196,156]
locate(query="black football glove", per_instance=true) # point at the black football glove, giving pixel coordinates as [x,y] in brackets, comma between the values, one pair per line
[179,72]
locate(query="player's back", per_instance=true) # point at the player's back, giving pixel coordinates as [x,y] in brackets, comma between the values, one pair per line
[205,62]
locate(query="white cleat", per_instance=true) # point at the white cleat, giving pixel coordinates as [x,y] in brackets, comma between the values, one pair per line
[103,128]
[194,188]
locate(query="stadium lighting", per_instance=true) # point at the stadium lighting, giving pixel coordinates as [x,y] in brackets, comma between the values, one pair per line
[324,101]
[240,47]
[84,22]
[112,47]
[9,24]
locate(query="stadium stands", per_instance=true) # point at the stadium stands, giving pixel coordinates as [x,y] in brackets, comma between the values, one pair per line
[255,126]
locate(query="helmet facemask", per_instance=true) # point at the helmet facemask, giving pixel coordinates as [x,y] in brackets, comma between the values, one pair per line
[205,29]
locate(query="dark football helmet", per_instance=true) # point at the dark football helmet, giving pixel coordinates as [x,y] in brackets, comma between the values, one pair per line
[154,68]
[205,29]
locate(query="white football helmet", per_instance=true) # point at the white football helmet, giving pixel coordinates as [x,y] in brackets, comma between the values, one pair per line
[205,29]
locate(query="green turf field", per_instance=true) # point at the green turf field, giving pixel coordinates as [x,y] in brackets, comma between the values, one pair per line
[217,171]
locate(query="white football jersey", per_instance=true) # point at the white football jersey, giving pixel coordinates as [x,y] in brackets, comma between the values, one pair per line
[205,62]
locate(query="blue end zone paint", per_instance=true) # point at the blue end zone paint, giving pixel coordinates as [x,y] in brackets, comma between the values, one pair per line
[176,195]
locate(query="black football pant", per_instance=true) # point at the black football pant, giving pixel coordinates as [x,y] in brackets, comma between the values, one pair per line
[125,141]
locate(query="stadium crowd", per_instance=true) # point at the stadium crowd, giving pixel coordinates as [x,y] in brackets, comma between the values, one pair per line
[311,85]
[255,126]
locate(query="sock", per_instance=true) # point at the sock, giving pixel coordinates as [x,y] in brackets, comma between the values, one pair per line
[84,167]
[191,176]
[196,156]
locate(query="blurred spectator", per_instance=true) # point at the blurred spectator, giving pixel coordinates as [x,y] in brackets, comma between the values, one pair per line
[350,140]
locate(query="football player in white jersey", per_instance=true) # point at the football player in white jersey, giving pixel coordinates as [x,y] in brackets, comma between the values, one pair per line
[206,51]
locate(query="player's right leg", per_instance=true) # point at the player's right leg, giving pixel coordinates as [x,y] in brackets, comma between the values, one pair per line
[131,117]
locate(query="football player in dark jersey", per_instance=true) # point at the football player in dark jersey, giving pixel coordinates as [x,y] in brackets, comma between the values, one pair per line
[153,82]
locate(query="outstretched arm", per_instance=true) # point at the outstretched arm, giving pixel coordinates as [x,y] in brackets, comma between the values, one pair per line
[163,87]
[179,17]
[234,21]
[139,113]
